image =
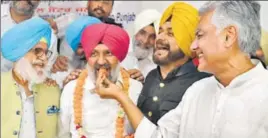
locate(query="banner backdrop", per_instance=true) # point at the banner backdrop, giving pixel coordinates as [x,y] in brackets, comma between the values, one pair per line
[123,11]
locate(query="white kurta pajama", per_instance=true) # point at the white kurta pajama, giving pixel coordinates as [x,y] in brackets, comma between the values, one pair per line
[210,110]
[99,115]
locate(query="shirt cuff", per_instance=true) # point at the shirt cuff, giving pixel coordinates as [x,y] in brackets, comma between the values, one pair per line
[145,129]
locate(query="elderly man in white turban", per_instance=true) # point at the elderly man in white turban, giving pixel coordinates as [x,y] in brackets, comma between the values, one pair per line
[143,33]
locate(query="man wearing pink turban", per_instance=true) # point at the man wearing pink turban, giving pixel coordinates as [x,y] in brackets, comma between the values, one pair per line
[83,112]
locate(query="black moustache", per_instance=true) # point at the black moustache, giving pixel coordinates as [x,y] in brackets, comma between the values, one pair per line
[161,44]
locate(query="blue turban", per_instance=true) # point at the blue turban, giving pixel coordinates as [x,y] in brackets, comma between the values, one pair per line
[75,29]
[20,39]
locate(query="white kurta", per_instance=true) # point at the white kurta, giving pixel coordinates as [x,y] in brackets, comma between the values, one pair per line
[99,115]
[7,23]
[209,110]
[27,127]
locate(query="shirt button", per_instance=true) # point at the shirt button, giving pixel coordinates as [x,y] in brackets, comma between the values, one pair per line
[150,114]
[17,112]
[161,85]
[155,98]
[15,132]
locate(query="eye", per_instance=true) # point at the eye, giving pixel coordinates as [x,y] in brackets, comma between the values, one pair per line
[108,53]
[199,36]
[93,54]
[170,34]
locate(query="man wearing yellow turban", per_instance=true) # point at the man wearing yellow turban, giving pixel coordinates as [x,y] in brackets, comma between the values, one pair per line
[165,85]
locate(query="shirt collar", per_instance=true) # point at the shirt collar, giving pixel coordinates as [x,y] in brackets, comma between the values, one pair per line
[245,77]
[186,68]
[90,85]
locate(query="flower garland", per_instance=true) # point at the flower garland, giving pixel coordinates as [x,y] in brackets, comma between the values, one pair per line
[78,95]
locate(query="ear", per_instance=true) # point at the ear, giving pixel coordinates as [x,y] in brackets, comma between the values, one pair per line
[230,37]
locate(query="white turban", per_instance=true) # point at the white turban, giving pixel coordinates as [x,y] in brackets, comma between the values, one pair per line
[145,18]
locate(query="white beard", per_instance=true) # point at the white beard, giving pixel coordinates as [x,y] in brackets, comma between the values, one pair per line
[26,70]
[141,53]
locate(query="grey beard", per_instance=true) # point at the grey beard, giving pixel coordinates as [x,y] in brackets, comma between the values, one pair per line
[23,11]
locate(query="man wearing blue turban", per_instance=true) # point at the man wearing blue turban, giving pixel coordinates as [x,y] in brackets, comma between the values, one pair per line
[26,103]
[72,49]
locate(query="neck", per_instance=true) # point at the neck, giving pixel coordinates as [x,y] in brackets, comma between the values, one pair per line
[234,67]
[18,18]
[165,69]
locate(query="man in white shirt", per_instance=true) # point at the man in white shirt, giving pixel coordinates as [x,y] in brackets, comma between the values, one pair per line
[144,33]
[232,103]
[83,112]
[14,13]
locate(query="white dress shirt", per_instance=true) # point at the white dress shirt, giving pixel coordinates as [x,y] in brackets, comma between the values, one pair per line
[27,127]
[99,115]
[210,110]
[7,23]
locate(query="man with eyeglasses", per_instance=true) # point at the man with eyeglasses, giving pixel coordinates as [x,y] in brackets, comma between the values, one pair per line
[16,12]
[29,109]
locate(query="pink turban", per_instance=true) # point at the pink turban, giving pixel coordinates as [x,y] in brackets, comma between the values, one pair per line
[114,37]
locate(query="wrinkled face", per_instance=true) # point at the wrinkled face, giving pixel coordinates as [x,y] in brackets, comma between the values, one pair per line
[101,57]
[99,8]
[25,8]
[144,42]
[211,47]
[33,66]
[166,49]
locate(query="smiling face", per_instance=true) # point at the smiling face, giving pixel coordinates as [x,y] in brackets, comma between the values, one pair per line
[101,57]
[213,48]
[144,42]
[33,66]
[166,49]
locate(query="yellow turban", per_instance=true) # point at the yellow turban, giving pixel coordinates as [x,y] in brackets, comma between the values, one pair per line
[184,22]
[264,44]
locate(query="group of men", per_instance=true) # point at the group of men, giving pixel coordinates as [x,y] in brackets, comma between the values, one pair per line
[191,73]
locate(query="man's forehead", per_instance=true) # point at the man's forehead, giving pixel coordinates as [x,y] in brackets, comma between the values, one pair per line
[101,47]
[42,45]
[166,25]
[205,22]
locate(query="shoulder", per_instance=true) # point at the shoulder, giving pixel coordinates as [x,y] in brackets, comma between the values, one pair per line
[200,86]
[7,76]
[68,90]
[153,72]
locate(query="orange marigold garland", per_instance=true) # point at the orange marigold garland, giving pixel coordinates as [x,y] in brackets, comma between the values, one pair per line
[78,96]
[77,102]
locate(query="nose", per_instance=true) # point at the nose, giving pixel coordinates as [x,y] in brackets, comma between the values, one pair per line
[101,60]
[194,45]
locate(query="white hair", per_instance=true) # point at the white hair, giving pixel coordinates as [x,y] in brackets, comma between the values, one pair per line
[245,15]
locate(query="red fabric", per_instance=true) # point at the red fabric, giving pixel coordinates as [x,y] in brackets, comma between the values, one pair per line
[195,61]
[114,37]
